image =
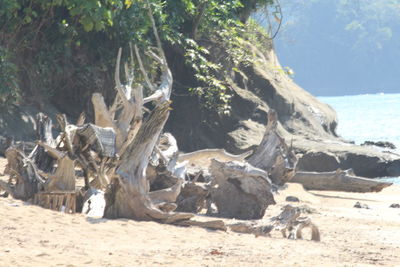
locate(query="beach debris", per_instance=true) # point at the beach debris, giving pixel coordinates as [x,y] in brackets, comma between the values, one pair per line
[132,170]
[360,205]
[273,155]
[292,199]
[338,180]
[395,206]
[307,209]
[288,222]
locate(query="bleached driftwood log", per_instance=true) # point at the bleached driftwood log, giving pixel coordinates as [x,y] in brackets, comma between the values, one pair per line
[273,155]
[240,190]
[338,181]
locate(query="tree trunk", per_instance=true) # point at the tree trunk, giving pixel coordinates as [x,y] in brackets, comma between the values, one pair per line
[338,181]
[273,155]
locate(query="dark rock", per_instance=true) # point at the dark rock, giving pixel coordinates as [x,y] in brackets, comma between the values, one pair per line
[318,162]
[303,120]
[383,144]
[393,169]
[359,205]
[395,205]
[364,165]
[292,199]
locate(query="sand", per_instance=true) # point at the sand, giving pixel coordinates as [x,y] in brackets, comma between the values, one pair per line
[33,236]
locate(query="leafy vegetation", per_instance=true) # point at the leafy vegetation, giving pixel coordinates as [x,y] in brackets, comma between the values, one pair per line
[62,50]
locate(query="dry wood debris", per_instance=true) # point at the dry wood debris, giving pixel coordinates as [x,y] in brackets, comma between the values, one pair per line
[131,169]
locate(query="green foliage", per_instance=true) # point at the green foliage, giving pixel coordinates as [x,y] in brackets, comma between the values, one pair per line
[9,91]
[68,41]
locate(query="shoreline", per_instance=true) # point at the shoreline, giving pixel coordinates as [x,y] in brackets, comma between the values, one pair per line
[33,236]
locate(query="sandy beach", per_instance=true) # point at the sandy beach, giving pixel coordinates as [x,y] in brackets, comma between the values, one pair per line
[33,236]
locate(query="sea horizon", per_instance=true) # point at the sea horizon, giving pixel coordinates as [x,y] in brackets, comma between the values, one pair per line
[368,117]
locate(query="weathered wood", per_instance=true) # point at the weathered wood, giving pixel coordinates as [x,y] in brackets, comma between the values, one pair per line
[64,201]
[288,222]
[63,178]
[129,194]
[240,190]
[338,181]
[131,197]
[24,179]
[193,197]
[213,224]
[200,161]
[44,134]
[273,155]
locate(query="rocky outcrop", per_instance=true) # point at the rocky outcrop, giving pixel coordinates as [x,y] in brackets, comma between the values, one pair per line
[303,121]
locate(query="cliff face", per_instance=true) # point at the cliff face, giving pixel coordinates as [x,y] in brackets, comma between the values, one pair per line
[303,120]
[258,87]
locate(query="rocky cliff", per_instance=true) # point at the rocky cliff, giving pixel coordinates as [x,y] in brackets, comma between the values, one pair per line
[303,120]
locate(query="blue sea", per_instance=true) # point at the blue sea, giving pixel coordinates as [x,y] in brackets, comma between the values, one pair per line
[371,117]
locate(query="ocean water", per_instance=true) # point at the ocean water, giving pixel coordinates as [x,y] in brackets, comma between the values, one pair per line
[371,117]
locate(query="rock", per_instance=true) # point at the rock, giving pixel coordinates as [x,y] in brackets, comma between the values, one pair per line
[395,205]
[240,190]
[318,156]
[383,144]
[318,162]
[292,199]
[359,205]
[303,119]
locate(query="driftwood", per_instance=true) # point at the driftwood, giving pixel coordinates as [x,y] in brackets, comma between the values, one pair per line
[133,170]
[273,155]
[128,192]
[338,181]
[63,201]
[209,224]
[193,197]
[240,190]
[201,160]
[289,223]
[24,181]
[43,131]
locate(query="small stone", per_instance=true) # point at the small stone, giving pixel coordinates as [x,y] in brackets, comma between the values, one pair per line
[292,199]
[359,205]
[395,205]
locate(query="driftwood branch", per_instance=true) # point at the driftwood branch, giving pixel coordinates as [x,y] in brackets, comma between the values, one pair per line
[273,155]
